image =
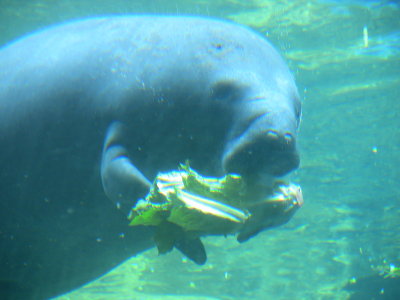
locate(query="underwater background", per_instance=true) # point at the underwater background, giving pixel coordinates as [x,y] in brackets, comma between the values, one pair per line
[345,56]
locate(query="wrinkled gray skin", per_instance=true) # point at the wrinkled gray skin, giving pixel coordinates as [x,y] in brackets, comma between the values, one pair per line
[96,108]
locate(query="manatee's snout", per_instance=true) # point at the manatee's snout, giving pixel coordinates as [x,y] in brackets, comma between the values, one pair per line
[264,148]
[271,153]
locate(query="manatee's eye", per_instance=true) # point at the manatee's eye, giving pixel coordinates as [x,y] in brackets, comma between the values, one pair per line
[217,46]
[225,90]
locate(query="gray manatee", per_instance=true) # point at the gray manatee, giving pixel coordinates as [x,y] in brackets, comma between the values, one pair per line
[92,110]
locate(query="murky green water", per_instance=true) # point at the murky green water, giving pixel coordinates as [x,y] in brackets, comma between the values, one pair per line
[346,58]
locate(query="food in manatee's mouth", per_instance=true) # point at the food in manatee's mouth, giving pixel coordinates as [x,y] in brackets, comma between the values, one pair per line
[208,205]
[269,153]
[183,206]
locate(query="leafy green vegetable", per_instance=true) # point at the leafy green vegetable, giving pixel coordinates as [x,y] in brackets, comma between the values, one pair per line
[193,202]
[185,203]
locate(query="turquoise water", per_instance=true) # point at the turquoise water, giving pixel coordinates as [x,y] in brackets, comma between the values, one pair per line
[346,59]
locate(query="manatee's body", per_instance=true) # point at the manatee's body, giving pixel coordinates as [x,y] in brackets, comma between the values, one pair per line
[98,107]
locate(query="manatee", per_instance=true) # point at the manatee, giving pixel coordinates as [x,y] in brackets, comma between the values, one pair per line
[92,110]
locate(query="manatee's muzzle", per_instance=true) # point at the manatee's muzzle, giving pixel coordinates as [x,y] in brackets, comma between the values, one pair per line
[267,152]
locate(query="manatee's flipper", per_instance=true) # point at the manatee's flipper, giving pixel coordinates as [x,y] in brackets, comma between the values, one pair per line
[193,248]
[123,183]
[169,235]
[165,235]
[247,234]
[266,215]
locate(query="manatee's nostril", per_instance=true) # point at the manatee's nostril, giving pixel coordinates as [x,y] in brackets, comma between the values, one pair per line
[288,138]
[272,134]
